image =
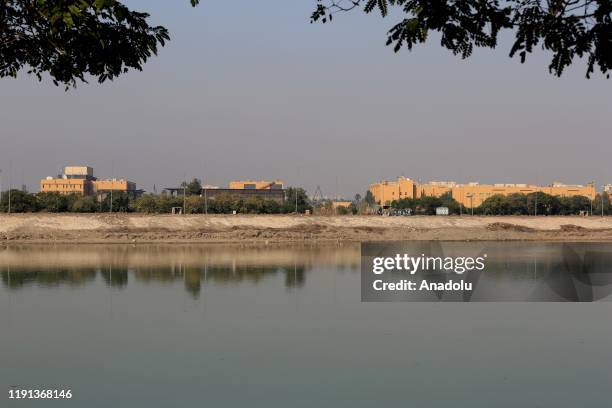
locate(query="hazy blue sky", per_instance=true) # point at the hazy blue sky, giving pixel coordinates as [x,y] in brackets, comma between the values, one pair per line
[252,90]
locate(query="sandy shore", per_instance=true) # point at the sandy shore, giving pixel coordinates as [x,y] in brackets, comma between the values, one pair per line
[107,228]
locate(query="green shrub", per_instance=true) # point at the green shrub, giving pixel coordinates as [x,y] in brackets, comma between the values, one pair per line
[21,201]
[52,202]
[83,205]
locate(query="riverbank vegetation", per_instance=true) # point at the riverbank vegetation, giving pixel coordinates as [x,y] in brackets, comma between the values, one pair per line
[512,204]
[24,202]
[296,199]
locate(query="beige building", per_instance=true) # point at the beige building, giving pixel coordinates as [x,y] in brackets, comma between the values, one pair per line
[338,204]
[387,191]
[101,186]
[66,186]
[435,188]
[80,180]
[268,190]
[255,185]
[85,172]
[470,194]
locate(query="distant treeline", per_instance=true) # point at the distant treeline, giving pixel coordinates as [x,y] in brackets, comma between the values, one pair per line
[22,201]
[512,204]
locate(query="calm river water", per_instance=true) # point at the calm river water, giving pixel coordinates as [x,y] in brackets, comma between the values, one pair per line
[279,326]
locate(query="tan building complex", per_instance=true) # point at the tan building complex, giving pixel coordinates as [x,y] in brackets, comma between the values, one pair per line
[471,194]
[255,185]
[338,204]
[80,180]
[268,190]
[114,185]
[66,186]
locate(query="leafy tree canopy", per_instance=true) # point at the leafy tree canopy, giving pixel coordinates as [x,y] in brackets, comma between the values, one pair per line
[195,187]
[567,28]
[369,198]
[69,39]
[293,195]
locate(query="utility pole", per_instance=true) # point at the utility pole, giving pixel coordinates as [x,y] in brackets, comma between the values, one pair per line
[10,186]
[535,210]
[471,203]
[112,185]
[184,191]
[602,203]
[297,174]
[205,202]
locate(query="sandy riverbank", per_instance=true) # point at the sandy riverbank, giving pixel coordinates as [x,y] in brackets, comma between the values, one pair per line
[95,228]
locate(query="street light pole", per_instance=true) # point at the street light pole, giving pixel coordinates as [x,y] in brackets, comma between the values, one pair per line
[205,202]
[184,192]
[112,184]
[10,174]
[472,204]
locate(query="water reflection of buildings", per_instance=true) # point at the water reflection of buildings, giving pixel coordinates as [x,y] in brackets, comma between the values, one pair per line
[558,266]
[192,277]
[196,276]
[16,277]
[555,266]
[195,266]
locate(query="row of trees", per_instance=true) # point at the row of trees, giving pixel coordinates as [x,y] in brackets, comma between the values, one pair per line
[512,204]
[427,205]
[544,204]
[224,204]
[22,201]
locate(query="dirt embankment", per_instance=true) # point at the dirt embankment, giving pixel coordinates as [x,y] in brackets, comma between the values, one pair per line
[88,228]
